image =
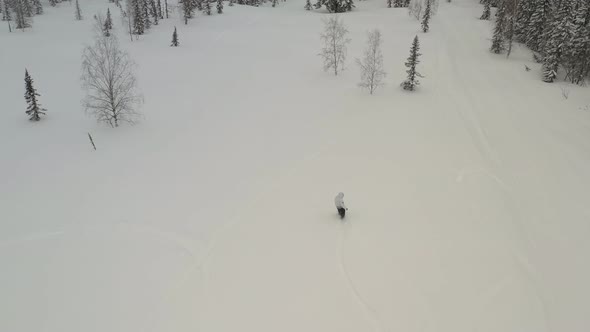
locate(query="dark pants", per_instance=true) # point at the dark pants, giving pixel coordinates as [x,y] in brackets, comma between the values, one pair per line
[341,212]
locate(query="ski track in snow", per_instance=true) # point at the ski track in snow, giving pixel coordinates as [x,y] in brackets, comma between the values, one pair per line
[370,313]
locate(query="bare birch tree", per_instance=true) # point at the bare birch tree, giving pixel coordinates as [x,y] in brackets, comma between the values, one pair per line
[372,72]
[108,76]
[334,50]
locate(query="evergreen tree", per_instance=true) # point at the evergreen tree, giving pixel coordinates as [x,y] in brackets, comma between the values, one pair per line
[307,5]
[52,3]
[560,32]
[198,4]
[20,19]
[6,14]
[34,109]
[406,3]
[137,17]
[28,8]
[274,3]
[207,7]
[78,12]
[107,25]
[426,17]
[219,6]
[398,3]
[38,7]
[145,6]
[577,56]
[159,9]
[389,3]
[187,10]
[412,82]
[498,40]
[524,11]
[154,11]
[175,41]
[336,6]
[486,10]
[537,25]
[231,2]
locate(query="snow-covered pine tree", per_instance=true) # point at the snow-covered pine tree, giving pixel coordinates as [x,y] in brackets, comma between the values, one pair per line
[398,3]
[6,14]
[154,11]
[198,4]
[52,3]
[159,9]
[20,19]
[219,6]
[335,6]
[389,3]
[577,54]
[405,3]
[486,10]
[145,8]
[38,7]
[175,41]
[559,34]
[412,82]
[137,17]
[34,109]
[107,24]
[207,7]
[426,16]
[274,3]
[187,10]
[498,40]
[78,12]
[307,5]
[231,3]
[524,11]
[28,8]
[166,7]
[538,24]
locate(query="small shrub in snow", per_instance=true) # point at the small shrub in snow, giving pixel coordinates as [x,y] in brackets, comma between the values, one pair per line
[175,41]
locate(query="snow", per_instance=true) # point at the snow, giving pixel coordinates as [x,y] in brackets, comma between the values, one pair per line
[468,199]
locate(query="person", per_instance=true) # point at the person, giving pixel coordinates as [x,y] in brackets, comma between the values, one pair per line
[339,201]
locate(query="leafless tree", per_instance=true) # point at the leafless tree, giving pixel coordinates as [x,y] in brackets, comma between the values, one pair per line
[334,50]
[109,79]
[372,72]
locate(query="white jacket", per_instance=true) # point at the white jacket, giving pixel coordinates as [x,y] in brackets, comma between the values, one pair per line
[339,201]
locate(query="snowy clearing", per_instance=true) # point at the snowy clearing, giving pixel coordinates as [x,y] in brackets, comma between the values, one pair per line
[469,198]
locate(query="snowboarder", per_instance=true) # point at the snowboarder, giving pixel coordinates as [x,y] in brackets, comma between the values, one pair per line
[339,201]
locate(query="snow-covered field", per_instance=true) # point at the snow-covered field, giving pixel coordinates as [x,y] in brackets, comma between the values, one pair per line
[469,199]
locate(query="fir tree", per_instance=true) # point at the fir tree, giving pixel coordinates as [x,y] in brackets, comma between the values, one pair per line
[498,40]
[274,3]
[34,109]
[524,11]
[335,6]
[307,5]
[154,11]
[6,14]
[398,3]
[231,2]
[426,17]
[52,3]
[175,41]
[486,10]
[187,10]
[577,57]
[198,4]
[219,6]
[559,34]
[28,8]
[159,9]
[537,25]
[405,3]
[145,15]
[137,17]
[207,7]
[20,19]
[389,3]
[412,82]
[78,12]
[107,25]
[38,7]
